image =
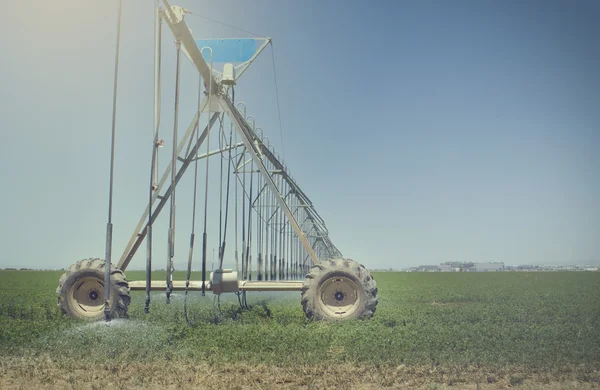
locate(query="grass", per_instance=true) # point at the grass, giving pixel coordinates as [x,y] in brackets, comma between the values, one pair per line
[500,329]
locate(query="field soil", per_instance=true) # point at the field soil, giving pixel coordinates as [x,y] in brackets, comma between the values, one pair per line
[44,373]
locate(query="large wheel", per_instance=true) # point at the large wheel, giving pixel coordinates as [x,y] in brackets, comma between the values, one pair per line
[339,289]
[81,291]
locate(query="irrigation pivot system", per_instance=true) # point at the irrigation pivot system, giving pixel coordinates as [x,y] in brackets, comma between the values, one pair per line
[279,239]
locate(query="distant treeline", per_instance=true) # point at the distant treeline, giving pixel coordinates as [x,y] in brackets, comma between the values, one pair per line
[29,269]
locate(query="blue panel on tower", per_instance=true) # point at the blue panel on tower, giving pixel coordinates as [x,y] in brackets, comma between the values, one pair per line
[228,50]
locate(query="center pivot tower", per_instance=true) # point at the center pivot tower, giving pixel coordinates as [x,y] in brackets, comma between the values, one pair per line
[279,239]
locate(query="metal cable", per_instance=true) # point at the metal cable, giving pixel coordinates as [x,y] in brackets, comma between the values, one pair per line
[259,229]
[109,225]
[284,229]
[273,238]
[193,233]
[239,294]
[154,158]
[277,97]
[244,301]
[206,184]
[170,262]
[267,211]
[158,100]
[220,188]
[222,250]
[244,225]
[249,243]
[237,260]
[281,254]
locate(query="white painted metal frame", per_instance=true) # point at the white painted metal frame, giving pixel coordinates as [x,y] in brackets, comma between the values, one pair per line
[255,146]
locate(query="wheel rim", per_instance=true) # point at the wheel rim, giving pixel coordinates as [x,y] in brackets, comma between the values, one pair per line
[339,297]
[86,297]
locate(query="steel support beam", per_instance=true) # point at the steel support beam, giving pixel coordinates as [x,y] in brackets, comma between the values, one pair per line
[140,233]
[243,285]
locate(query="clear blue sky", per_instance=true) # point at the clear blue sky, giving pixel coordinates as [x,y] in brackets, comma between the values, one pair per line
[423,131]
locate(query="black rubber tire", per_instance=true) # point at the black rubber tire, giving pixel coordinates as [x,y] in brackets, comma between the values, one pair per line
[324,273]
[91,271]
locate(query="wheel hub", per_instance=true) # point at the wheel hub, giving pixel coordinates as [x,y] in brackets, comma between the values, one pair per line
[84,296]
[339,296]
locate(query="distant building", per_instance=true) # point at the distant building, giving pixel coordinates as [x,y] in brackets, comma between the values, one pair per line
[428,268]
[487,267]
[445,268]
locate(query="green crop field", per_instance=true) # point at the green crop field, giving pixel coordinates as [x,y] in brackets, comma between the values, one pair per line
[430,330]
